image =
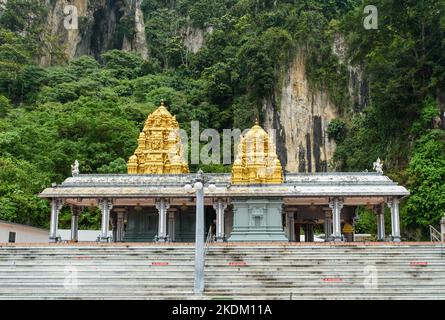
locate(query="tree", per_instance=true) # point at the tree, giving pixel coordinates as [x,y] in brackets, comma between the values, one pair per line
[426,204]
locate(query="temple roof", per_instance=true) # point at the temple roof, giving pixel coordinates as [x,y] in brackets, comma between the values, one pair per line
[362,184]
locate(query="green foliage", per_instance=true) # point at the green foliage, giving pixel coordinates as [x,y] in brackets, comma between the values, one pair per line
[337,130]
[123,64]
[5,106]
[366,221]
[19,183]
[116,166]
[426,205]
[428,113]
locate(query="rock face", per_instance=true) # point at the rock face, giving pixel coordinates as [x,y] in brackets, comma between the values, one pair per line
[358,88]
[194,38]
[138,43]
[301,119]
[97,30]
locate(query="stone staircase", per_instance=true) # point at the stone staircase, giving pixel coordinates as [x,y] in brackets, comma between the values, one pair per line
[326,272]
[96,272]
[275,271]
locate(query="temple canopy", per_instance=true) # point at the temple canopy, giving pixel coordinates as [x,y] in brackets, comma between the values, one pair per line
[159,148]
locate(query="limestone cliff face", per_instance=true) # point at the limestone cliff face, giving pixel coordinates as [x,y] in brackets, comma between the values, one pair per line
[194,37]
[301,119]
[358,88]
[301,113]
[97,29]
[138,43]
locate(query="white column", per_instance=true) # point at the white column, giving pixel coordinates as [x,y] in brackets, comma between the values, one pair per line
[219,207]
[75,211]
[162,205]
[380,214]
[199,241]
[56,206]
[336,205]
[171,224]
[393,204]
[105,208]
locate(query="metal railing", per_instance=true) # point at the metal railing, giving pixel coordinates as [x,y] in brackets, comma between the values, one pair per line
[434,234]
[208,240]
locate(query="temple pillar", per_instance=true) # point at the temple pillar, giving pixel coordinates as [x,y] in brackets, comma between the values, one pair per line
[113,220]
[56,206]
[327,224]
[162,205]
[393,204]
[309,232]
[380,214]
[336,205]
[105,206]
[291,226]
[171,223]
[75,212]
[118,224]
[219,207]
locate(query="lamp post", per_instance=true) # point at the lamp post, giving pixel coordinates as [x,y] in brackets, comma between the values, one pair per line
[197,185]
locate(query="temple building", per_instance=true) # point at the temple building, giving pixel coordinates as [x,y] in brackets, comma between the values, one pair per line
[257,201]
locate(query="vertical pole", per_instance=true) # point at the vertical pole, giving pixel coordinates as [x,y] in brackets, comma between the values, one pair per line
[199,248]
[75,223]
[105,207]
[56,205]
[336,206]
[219,207]
[393,204]
[162,206]
[171,224]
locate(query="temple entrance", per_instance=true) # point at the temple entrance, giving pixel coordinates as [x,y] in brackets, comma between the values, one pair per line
[142,224]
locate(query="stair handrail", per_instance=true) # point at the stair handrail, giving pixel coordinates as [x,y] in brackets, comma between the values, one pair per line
[434,234]
[208,240]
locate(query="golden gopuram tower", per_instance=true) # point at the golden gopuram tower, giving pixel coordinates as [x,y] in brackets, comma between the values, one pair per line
[256,161]
[159,148]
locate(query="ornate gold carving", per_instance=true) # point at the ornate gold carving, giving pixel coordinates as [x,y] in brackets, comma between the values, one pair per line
[256,161]
[159,148]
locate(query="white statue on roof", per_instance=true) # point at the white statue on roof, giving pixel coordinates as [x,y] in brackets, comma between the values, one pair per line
[75,168]
[378,166]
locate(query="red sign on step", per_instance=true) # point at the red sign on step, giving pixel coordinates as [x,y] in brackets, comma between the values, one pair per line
[419,263]
[332,280]
[159,263]
[237,263]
